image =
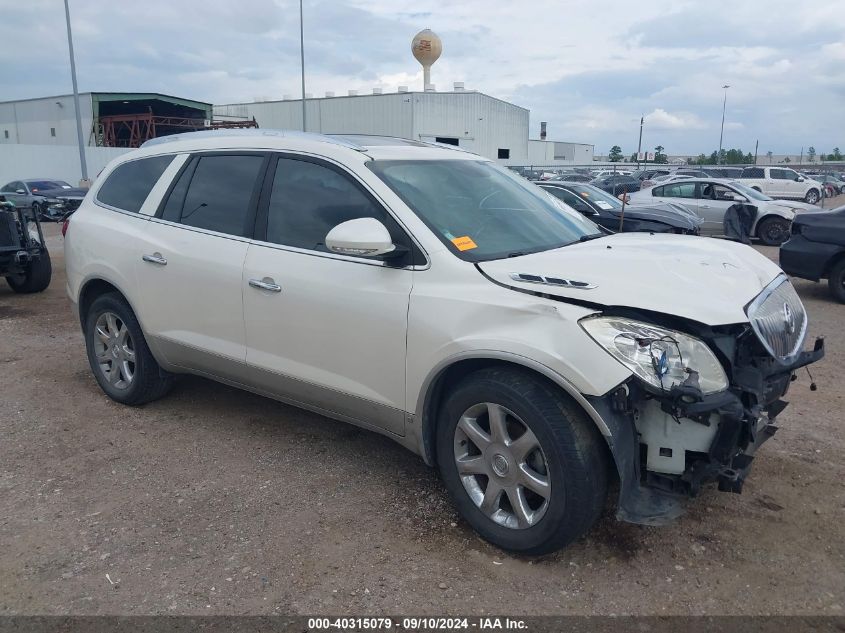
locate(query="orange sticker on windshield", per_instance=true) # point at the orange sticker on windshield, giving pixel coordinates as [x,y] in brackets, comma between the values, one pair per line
[464,243]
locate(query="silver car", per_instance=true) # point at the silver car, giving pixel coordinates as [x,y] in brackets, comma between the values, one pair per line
[710,198]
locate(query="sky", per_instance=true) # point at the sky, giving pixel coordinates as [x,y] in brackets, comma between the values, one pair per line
[590,68]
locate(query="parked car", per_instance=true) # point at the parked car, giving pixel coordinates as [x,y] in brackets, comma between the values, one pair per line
[607,211]
[730,173]
[24,259]
[711,198]
[571,177]
[617,185]
[831,182]
[49,197]
[816,249]
[780,182]
[434,297]
[644,175]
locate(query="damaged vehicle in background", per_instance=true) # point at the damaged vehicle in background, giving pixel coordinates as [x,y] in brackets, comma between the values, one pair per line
[51,199]
[434,297]
[816,250]
[607,211]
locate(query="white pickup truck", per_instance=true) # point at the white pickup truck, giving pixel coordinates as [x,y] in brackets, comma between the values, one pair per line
[780,182]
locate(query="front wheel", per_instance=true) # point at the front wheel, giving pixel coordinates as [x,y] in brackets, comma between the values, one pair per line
[773,231]
[523,464]
[812,196]
[836,281]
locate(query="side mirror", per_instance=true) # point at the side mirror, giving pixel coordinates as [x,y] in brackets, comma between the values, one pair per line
[362,237]
[799,179]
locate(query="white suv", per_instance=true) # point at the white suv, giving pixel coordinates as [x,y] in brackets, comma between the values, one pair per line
[780,182]
[429,295]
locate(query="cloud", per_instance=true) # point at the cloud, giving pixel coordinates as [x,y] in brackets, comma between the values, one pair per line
[573,64]
[659,119]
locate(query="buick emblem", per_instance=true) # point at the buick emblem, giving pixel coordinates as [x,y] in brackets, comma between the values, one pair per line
[788,319]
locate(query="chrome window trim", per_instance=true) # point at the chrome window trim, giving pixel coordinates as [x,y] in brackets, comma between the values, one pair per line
[757,302]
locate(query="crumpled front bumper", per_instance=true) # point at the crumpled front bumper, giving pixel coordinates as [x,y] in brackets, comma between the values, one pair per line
[741,427]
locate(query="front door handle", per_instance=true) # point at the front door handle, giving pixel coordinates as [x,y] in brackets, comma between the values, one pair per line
[705,206]
[265,284]
[155,258]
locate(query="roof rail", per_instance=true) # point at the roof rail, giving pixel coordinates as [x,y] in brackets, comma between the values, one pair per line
[186,136]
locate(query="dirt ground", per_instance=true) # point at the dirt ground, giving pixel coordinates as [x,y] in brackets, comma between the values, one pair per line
[215,501]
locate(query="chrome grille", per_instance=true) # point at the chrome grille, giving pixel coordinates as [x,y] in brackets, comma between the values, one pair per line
[779,319]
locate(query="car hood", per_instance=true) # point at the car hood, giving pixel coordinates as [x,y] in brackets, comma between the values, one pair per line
[798,207]
[73,192]
[702,279]
[673,215]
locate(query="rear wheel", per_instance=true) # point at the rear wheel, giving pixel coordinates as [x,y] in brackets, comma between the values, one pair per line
[812,196]
[523,464]
[773,231]
[836,281]
[36,278]
[118,353]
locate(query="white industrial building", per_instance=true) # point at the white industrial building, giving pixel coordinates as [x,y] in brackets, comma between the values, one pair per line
[472,120]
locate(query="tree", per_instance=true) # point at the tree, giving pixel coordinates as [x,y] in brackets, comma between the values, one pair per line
[811,154]
[836,155]
[615,155]
[659,156]
[633,158]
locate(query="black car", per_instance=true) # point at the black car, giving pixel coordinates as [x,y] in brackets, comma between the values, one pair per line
[606,211]
[617,184]
[816,249]
[571,177]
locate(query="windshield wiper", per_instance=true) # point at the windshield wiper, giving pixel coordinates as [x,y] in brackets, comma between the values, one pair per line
[591,236]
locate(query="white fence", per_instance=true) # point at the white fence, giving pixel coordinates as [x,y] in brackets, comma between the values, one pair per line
[20,162]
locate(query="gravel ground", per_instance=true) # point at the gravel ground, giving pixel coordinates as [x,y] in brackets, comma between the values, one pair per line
[216,501]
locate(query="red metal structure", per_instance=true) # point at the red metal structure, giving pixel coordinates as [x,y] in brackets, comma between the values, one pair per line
[131,130]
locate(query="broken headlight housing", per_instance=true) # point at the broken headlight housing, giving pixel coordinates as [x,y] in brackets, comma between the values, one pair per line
[659,356]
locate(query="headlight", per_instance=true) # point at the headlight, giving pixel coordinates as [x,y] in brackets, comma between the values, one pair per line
[660,357]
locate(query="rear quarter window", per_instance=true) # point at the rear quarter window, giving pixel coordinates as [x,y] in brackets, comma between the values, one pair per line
[129,184]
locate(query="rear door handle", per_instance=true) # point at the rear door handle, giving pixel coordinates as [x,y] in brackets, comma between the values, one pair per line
[265,284]
[705,206]
[155,258]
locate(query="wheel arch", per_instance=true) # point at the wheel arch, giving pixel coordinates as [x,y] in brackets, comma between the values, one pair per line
[768,216]
[454,368]
[97,287]
[833,261]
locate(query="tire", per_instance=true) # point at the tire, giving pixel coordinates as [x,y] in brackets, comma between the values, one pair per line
[139,379]
[836,281]
[571,457]
[36,278]
[773,231]
[812,196]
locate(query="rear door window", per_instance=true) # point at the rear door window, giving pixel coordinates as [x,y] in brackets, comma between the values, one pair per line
[679,190]
[129,184]
[217,193]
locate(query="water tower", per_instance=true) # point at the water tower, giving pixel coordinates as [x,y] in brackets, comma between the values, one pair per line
[426,47]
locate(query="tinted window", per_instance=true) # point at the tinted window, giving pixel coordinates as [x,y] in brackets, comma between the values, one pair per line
[218,198]
[679,190]
[779,174]
[569,198]
[657,192]
[130,183]
[752,172]
[308,200]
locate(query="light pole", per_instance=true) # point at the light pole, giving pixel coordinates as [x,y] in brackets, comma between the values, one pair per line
[722,132]
[82,162]
[640,143]
[301,58]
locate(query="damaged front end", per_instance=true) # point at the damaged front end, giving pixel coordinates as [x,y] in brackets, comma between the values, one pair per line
[681,421]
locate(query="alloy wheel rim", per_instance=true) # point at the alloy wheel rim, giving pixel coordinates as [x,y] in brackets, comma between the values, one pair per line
[502,466]
[114,350]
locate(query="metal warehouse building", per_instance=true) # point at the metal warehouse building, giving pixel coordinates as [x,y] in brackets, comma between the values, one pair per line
[109,119]
[472,120]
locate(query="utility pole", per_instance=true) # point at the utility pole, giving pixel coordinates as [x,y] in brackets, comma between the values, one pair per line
[801,159]
[756,147]
[302,60]
[82,163]
[640,143]
[722,132]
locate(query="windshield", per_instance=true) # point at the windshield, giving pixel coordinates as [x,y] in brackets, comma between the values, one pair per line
[601,199]
[46,185]
[481,211]
[748,192]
